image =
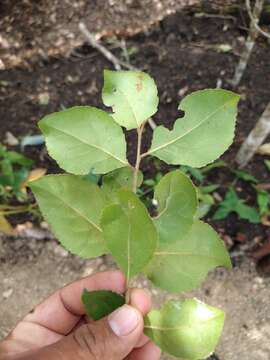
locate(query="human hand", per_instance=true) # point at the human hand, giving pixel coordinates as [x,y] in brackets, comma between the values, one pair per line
[58,328]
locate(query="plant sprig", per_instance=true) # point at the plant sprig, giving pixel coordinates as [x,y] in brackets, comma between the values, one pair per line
[174,249]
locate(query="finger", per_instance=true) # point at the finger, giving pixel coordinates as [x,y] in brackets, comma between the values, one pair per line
[111,338]
[147,352]
[141,300]
[63,309]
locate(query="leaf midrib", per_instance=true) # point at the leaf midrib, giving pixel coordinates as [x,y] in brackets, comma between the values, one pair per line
[190,130]
[86,143]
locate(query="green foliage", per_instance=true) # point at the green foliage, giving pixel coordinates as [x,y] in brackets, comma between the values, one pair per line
[263,200]
[101,303]
[84,138]
[267,164]
[203,134]
[243,175]
[98,209]
[129,233]
[182,264]
[187,329]
[177,203]
[125,92]
[14,170]
[74,219]
[232,203]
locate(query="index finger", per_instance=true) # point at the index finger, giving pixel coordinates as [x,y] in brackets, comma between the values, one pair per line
[63,309]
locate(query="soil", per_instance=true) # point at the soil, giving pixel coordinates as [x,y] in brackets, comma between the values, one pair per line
[241,293]
[183,54]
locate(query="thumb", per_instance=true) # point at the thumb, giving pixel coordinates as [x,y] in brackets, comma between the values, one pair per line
[111,338]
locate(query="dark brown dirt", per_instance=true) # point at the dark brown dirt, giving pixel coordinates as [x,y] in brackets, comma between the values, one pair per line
[32,29]
[183,54]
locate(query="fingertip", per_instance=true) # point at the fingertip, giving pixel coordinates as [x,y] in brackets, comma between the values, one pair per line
[141,300]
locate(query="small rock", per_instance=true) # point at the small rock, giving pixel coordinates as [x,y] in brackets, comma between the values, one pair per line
[7,293]
[10,139]
[44,98]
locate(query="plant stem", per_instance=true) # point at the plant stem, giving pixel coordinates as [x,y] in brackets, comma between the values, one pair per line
[138,158]
[18,210]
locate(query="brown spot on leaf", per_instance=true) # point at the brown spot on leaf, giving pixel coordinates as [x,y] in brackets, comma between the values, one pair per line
[139,84]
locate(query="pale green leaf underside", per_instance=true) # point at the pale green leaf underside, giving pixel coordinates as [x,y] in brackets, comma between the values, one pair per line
[72,207]
[83,139]
[186,329]
[203,134]
[132,96]
[177,203]
[129,233]
[184,264]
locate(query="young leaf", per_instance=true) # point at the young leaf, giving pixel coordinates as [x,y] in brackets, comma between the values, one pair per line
[188,329]
[203,134]
[74,219]
[267,164]
[132,96]
[263,200]
[184,264]
[129,233]
[101,303]
[232,203]
[177,203]
[120,178]
[84,138]
[243,175]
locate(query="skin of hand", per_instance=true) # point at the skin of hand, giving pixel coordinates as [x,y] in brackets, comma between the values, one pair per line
[58,329]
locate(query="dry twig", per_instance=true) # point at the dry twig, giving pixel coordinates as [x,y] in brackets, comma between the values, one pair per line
[105,52]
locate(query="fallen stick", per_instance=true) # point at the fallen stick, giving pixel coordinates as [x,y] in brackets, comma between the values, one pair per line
[105,52]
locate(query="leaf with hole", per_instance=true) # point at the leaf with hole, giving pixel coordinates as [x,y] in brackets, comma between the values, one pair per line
[129,233]
[203,134]
[132,96]
[177,203]
[187,329]
[101,303]
[72,207]
[83,139]
[185,263]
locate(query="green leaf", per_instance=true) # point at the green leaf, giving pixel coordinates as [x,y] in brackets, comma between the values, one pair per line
[263,200]
[232,203]
[101,303]
[120,178]
[17,158]
[208,188]
[177,203]
[243,175]
[72,207]
[214,165]
[203,134]
[83,139]
[187,329]
[184,264]
[267,164]
[132,96]
[129,233]
[196,173]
